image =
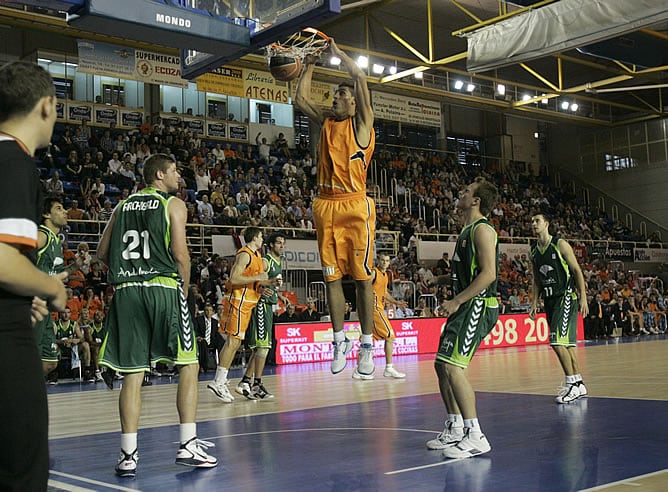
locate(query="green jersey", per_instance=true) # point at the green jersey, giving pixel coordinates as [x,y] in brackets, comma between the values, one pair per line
[64,330]
[465,260]
[274,271]
[550,270]
[50,256]
[140,240]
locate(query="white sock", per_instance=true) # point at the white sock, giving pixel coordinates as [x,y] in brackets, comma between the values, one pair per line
[339,336]
[578,377]
[456,419]
[367,339]
[472,424]
[571,379]
[388,366]
[129,442]
[187,432]
[221,375]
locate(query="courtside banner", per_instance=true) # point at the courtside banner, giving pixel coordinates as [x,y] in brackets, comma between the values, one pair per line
[312,342]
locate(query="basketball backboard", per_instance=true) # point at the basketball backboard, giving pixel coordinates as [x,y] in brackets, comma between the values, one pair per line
[266,21]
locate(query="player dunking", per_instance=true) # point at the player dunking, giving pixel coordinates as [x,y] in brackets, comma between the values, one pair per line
[556,276]
[344,216]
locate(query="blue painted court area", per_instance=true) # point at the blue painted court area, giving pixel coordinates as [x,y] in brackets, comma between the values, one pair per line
[380,445]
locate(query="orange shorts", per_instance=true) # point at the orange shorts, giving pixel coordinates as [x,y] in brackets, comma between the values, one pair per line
[382,329]
[346,227]
[236,318]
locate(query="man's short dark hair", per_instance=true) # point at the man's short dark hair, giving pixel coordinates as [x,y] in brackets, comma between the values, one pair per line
[487,193]
[22,85]
[251,233]
[155,163]
[49,201]
[274,237]
[348,85]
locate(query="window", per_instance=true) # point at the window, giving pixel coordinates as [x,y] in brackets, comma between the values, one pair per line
[217,109]
[64,88]
[113,94]
[466,150]
[264,113]
[615,162]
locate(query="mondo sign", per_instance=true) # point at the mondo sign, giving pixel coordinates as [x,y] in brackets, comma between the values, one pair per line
[312,342]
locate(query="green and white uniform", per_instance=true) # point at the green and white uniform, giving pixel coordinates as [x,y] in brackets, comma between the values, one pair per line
[474,319]
[261,327]
[148,320]
[557,287]
[64,329]
[49,260]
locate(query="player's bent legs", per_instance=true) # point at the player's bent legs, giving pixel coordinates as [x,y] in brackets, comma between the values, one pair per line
[260,358]
[129,402]
[229,351]
[186,393]
[445,389]
[567,359]
[364,292]
[462,390]
[336,301]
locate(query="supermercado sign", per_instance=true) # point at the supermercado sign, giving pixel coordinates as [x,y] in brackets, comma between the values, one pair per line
[312,342]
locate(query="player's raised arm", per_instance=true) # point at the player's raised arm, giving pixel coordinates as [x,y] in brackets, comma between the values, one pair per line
[303,99]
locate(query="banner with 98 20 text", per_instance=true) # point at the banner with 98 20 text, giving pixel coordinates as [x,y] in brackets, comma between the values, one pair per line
[312,342]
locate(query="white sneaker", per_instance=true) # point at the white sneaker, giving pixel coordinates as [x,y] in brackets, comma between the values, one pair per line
[245,390]
[221,391]
[365,359]
[582,388]
[193,453]
[568,393]
[391,372]
[473,444]
[127,464]
[98,376]
[449,437]
[341,349]
[366,377]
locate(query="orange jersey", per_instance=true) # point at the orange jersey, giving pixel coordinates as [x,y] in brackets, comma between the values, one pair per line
[248,293]
[380,287]
[342,162]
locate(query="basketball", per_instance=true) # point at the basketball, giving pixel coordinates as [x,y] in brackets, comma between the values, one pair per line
[285,68]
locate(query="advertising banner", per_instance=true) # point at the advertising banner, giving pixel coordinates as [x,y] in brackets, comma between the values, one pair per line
[216,130]
[650,255]
[223,80]
[312,342]
[239,132]
[433,250]
[262,85]
[406,109]
[302,253]
[132,118]
[106,116]
[79,112]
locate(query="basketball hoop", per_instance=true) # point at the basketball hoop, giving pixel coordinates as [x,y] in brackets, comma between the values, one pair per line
[308,41]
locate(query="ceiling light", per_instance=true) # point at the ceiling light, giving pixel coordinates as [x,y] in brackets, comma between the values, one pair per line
[574,107]
[526,97]
[335,60]
[565,105]
[459,84]
[362,61]
[418,75]
[501,89]
[377,69]
[544,100]
[470,87]
[392,69]
[536,135]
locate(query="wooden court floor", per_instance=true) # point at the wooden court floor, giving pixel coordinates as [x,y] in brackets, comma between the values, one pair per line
[333,433]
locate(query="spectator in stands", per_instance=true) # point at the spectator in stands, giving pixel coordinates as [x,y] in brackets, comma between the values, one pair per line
[290,315]
[80,139]
[94,335]
[73,167]
[75,213]
[218,153]
[114,166]
[281,146]
[208,337]
[106,143]
[202,181]
[311,312]
[54,185]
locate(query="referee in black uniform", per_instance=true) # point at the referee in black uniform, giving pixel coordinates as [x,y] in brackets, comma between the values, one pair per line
[27,116]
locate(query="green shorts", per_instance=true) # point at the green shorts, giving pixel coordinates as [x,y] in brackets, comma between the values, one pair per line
[465,330]
[46,340]
[562,317]
[148,322]
[261,326]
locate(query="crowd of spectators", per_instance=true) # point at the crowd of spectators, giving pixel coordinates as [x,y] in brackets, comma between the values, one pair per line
[272,185]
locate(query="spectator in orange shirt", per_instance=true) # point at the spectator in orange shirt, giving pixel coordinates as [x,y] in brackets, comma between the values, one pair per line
[74,304]
[91,301]
[76,279]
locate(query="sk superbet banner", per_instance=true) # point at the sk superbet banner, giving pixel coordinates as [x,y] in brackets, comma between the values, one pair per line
[312,342]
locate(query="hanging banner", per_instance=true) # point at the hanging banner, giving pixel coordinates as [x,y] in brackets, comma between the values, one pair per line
[650,255]
[406,109]
[216,130]
[195,125]
[239,132]
[129,63]
[321,93]
[132,118]
[79,112]
[262,85]
[223,80]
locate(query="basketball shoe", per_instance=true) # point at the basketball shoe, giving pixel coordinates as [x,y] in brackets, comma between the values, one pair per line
[391,372]
[221,391]
[261,393]
[245,390]
[449,437]
[365,364]
[341,349]
[127,464]
[473,444]
[359,375]
[193,453]
[582,388]
[568,393]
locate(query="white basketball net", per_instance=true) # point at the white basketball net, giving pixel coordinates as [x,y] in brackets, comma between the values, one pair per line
[308,41]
